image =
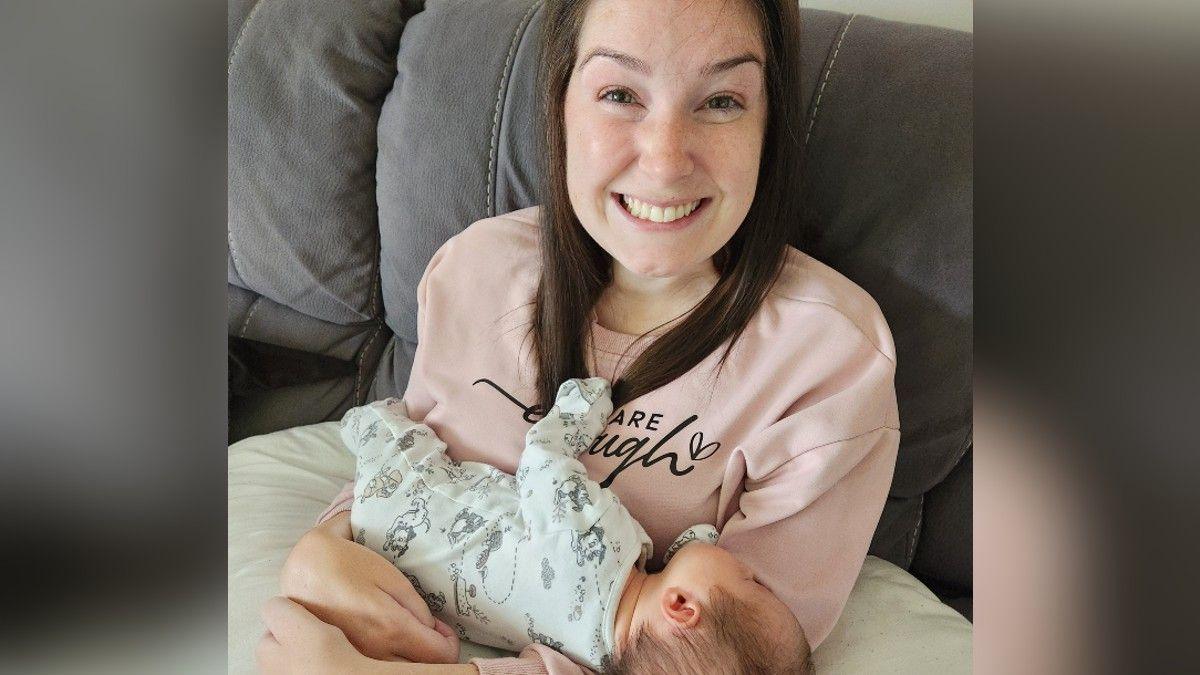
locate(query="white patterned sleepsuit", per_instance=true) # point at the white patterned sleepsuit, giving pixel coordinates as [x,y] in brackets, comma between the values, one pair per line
[506,560]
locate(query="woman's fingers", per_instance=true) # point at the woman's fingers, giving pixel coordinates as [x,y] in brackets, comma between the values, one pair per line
[445,629]
[451,641]
[401,589]
[371,603]
[408,637]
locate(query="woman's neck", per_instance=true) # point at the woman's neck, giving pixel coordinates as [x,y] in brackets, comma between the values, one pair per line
[631,285]
[635,304]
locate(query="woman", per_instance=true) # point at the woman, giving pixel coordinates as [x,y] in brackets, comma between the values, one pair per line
[753,385]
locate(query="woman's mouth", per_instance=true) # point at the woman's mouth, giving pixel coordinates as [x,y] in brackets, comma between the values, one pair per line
[658,217]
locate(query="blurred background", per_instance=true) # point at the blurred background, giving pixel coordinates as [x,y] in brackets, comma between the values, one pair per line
[112,348]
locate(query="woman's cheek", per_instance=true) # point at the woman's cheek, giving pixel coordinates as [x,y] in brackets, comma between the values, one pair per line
[607,139]
[733,159]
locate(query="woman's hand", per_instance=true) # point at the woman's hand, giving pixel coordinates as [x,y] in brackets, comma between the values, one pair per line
[360,592]
[298,642]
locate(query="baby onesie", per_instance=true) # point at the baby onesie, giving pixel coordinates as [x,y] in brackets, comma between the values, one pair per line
[539,556]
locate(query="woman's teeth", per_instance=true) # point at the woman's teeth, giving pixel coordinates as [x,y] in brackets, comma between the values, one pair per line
[657,213]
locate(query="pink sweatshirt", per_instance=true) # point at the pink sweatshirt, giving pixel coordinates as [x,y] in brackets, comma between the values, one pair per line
[789,453]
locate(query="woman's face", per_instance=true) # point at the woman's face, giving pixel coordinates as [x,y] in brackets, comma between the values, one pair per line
[665,113]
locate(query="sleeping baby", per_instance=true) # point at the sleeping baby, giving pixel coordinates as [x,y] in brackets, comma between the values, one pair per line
[548,556]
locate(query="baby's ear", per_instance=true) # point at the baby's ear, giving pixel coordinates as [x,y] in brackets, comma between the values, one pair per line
[680,607]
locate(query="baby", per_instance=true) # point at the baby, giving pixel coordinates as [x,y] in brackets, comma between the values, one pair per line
[548,556]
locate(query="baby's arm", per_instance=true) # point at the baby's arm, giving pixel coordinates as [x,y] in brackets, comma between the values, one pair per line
[550,477]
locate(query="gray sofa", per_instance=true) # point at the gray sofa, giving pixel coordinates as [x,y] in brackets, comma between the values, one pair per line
[364,134]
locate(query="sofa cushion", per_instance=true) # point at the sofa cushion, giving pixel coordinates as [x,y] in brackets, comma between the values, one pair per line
[256,317]
[438,132]
[306,82]
[943,553]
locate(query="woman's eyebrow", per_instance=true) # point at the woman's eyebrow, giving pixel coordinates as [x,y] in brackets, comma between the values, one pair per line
[721,66]
[626,60]
[635,64]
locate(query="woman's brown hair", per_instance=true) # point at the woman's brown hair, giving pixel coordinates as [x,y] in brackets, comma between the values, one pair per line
[575,269]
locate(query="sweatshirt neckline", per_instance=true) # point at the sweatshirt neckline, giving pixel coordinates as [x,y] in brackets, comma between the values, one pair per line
[613,342]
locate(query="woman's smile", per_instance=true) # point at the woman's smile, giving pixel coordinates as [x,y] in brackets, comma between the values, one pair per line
[659,216]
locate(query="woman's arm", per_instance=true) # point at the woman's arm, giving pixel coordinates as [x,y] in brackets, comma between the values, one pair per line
[298,640]
[811,557]
[360,592]
[814,487]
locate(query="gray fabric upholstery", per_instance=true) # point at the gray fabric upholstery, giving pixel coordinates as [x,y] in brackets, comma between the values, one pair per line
[437,132]
[259,318]
[896,535]
[943,555]
[888,202]
[306,80]
[315,183]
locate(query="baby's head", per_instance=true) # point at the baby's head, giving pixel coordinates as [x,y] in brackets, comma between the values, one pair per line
[706,613]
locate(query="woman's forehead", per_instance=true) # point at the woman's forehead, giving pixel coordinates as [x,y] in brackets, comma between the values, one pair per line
[669,36]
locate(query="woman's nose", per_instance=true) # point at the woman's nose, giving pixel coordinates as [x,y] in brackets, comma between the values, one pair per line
[665,153]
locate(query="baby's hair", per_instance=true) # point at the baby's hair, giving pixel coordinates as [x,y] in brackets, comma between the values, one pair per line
[731,639]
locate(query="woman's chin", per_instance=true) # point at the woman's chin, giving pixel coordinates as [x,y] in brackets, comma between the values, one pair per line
[650,267]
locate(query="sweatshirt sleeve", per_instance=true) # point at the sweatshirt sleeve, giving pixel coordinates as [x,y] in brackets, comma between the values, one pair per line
[533,660]
[340,503]
[433,285]
[814,487]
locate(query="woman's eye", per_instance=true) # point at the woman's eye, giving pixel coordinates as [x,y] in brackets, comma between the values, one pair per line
[722,102]
[618,96]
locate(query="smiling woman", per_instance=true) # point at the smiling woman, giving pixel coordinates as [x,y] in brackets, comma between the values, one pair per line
[764,379]
[668,144]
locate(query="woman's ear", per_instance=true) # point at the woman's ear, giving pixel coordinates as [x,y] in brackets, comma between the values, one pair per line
[680,607]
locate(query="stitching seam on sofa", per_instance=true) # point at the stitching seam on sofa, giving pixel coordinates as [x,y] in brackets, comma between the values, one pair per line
[963,449]
[966,445]
[233,255]
[253,308]
[915,535]
[812,120]
[376,270]
[358,376]
[241,32]
[501,92]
